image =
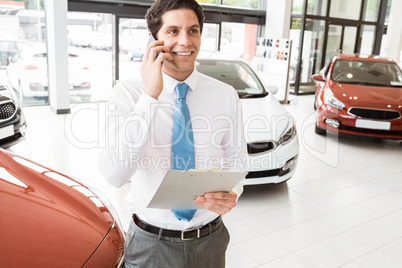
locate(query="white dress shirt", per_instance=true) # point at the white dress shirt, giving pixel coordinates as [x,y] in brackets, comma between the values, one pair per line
[138,132]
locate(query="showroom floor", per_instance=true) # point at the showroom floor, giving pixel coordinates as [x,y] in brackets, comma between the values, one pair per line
[342,208]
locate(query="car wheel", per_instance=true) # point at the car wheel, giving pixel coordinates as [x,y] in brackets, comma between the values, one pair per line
[320,131]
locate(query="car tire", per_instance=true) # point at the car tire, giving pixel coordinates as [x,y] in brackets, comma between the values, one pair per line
[315,101]
[320,131]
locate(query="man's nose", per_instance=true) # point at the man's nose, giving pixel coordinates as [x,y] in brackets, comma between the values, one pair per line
[184,39]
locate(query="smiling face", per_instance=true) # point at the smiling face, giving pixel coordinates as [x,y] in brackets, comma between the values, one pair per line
[181,32]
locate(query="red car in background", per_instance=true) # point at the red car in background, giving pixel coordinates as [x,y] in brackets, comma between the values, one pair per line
[360,95]
[50,220]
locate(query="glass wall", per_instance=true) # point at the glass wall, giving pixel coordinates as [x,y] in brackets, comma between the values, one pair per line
[317,7]
[23,52]
[371,9]
[133,38]
[91,41]
[350,26]
[367,38]
[255,4]
[210,33]
[345,9]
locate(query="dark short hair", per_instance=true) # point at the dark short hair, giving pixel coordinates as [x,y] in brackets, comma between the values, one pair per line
[159,7]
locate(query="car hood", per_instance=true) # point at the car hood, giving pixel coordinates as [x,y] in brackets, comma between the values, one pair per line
[263,119]
[46,217]
[368,96]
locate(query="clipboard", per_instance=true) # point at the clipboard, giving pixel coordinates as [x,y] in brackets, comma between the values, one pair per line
[179,188]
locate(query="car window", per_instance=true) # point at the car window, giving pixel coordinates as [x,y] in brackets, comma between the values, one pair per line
[367,73]
[16,57]
[235,73]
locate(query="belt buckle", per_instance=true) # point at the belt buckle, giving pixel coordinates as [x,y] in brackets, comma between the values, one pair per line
[189,230]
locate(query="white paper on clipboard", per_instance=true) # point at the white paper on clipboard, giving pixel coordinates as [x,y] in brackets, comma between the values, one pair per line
[179,188]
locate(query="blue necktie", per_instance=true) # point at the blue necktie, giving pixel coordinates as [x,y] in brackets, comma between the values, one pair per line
[182,143]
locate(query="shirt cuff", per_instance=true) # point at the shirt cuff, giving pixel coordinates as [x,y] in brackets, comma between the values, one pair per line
[145,101]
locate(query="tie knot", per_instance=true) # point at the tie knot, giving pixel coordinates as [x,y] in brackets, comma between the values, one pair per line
[181,90]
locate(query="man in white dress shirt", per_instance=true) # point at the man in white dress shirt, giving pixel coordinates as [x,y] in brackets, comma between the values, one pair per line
[139,133]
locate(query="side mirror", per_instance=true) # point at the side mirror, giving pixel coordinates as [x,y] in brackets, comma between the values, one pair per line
[273,89]
[9,60]
[317,77]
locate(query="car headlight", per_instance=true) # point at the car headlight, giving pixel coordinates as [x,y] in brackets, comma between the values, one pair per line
[332,101]
[111,209]
[290,131]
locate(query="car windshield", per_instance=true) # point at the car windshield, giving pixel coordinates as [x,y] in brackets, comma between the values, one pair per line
[367,73]
[235,73]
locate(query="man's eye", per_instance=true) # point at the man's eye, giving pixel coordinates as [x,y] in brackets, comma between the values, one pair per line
[172,31]
[194,31]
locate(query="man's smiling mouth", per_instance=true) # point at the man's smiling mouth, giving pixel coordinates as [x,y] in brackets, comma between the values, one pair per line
[183,53]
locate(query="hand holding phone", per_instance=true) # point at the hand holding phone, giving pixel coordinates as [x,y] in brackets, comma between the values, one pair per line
[153,39]
[151,67]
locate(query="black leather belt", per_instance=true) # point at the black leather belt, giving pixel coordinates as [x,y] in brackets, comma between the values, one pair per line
[188,234]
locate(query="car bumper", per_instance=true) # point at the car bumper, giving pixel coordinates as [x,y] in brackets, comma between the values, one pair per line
[275,166]
[347,124]
[13,132]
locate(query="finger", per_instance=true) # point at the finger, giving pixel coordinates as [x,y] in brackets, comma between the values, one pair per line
[153,54]
[222,202]
[219,209]
[152,45]
[221,195]
[216,204]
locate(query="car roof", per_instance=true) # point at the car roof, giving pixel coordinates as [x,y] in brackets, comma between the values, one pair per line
[362,57]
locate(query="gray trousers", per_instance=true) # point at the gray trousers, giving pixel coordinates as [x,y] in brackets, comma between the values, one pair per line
[144,249]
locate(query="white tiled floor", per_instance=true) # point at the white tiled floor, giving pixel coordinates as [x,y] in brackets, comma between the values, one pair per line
[342,208]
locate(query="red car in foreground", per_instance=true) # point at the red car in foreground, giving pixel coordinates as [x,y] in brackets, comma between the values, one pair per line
[360,95]
[50,220]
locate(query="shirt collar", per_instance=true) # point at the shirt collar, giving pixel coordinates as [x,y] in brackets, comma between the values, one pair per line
[170,83]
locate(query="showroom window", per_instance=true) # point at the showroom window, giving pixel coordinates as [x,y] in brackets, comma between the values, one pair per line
[22,51]
[371,9]
[315,7]
[318,35]
[297,7]
[254,4]
[90,37]
[133,38]
[343,9]
[23,54]
[367,39]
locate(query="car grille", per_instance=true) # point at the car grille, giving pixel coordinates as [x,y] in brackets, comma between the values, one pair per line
[375,114]
[7,110]
[263,173]
[260,147]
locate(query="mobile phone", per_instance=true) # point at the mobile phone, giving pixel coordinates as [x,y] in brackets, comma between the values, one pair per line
[151,39]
